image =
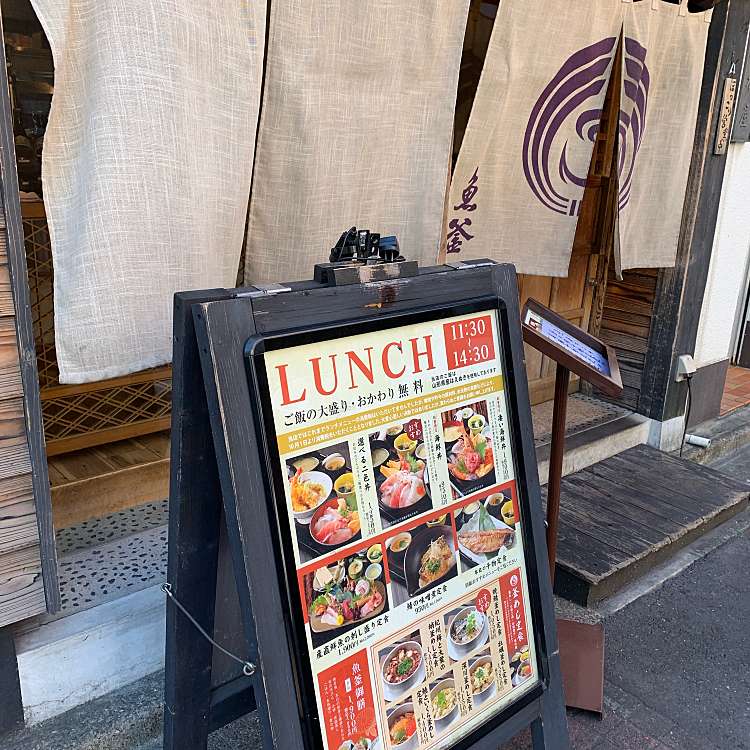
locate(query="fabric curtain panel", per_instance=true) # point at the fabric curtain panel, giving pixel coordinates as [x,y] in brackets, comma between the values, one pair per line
[664,54]
[521,172]
[356,129]
[146,167]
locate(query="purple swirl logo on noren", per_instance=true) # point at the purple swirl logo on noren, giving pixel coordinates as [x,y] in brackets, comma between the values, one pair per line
[563,111]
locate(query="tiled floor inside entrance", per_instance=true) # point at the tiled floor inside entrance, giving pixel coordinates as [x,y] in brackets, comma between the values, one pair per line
[736,389]
[583,413]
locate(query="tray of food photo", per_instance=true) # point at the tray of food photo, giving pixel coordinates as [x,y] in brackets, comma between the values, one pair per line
[399,459]
[324,501]
[430,559]
[482,536]
[341,596]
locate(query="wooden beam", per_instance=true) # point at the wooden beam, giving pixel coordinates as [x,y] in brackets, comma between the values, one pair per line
[144,376]
[58,446]
[98,496]
[16,254]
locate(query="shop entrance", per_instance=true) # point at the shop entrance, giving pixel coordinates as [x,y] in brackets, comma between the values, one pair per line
[107,444]
[742,352]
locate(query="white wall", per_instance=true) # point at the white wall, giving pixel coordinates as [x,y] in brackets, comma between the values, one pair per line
[727,276]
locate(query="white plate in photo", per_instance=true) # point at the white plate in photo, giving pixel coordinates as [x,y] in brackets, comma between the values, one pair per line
[473,525]
[458,653]
[485,695]
[518,680]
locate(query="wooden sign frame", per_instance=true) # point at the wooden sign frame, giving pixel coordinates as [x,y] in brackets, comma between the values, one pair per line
[235,466]
[610,384]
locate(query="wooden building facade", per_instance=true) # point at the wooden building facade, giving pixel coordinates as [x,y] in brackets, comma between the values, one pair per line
[107,443]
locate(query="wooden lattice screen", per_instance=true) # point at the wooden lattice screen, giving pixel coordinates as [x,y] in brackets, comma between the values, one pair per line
[80,416]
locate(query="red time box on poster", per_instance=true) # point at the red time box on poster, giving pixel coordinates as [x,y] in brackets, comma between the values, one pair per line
[514,616]
[347,702]
[469,342]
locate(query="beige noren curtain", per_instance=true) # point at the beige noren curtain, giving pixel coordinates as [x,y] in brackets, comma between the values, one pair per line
[146,168]
[355,130]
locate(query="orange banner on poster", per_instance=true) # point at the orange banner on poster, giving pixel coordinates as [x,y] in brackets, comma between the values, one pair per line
[347,701]
[514,618]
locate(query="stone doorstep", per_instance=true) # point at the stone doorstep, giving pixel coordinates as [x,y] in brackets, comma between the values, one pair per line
[588,447]
[67,662]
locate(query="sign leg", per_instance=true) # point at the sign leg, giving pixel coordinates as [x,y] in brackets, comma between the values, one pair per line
[194,527]
[557,450]
[550,731]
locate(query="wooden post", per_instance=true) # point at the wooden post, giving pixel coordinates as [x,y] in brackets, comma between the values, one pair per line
[11,705]
[557,450]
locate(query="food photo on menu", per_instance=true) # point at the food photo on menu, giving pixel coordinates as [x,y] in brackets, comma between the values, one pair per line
[467,628]
[520,666]
[421,558]
[399,460]
[363,743]
[402,669]
[324,500]
[482,678]
[468,448]
[343,595]
[444,703]
[486,528]
[402,727]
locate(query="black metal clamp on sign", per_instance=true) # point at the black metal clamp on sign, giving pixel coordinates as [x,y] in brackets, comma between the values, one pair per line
[361,256]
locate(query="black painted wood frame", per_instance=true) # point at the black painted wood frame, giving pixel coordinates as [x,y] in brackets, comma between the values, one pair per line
[11,704]
[680,290]
[222,327]
[199,695]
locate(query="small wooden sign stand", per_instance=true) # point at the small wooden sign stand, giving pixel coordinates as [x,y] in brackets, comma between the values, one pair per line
[574,350]
[228,561]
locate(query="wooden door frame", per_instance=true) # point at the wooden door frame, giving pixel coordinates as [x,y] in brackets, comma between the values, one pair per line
[25,339]
[680,290]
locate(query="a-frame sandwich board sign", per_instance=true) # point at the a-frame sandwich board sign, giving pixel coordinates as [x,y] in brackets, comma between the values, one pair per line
[364,456]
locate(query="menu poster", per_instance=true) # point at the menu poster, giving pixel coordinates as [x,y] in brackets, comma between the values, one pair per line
[396,451]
